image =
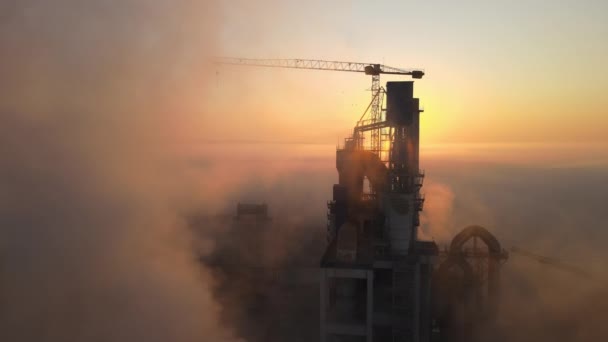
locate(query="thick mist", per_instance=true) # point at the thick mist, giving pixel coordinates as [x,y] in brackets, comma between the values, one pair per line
[95,98]
[102,110]
[552,209]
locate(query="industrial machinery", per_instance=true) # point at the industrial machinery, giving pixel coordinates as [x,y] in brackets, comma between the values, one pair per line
[466,285]
[555,263]
[372,69]
[254,287]
[378,280]
[376,273]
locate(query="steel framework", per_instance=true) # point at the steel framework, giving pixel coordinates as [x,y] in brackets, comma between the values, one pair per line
[373,69]
[378,136]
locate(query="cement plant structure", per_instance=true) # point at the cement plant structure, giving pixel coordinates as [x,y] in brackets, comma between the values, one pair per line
[378,280]
[376,273]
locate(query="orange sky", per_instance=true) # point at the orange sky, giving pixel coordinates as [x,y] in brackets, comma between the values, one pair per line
[508,73]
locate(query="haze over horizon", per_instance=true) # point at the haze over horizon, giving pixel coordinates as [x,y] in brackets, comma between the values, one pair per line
[114,128]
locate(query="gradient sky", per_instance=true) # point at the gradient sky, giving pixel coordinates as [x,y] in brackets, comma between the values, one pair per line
[104,105]
[500,72]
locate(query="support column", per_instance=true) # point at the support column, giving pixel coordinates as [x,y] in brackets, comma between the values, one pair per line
[417,301]
[370,305]
[323,314]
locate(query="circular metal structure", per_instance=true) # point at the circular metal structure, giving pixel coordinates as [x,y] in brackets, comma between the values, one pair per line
[467,282]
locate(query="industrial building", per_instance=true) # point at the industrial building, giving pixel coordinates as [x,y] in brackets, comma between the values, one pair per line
[263,296]
[376,273]
[378,281]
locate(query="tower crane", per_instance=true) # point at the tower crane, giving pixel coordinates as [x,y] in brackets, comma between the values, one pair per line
[555,263]
[372,69]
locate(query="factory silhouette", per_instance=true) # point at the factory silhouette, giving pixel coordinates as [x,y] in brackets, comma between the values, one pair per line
[372,278]
[153,191]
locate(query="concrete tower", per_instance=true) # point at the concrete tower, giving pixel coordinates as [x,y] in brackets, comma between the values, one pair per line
[375,274]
